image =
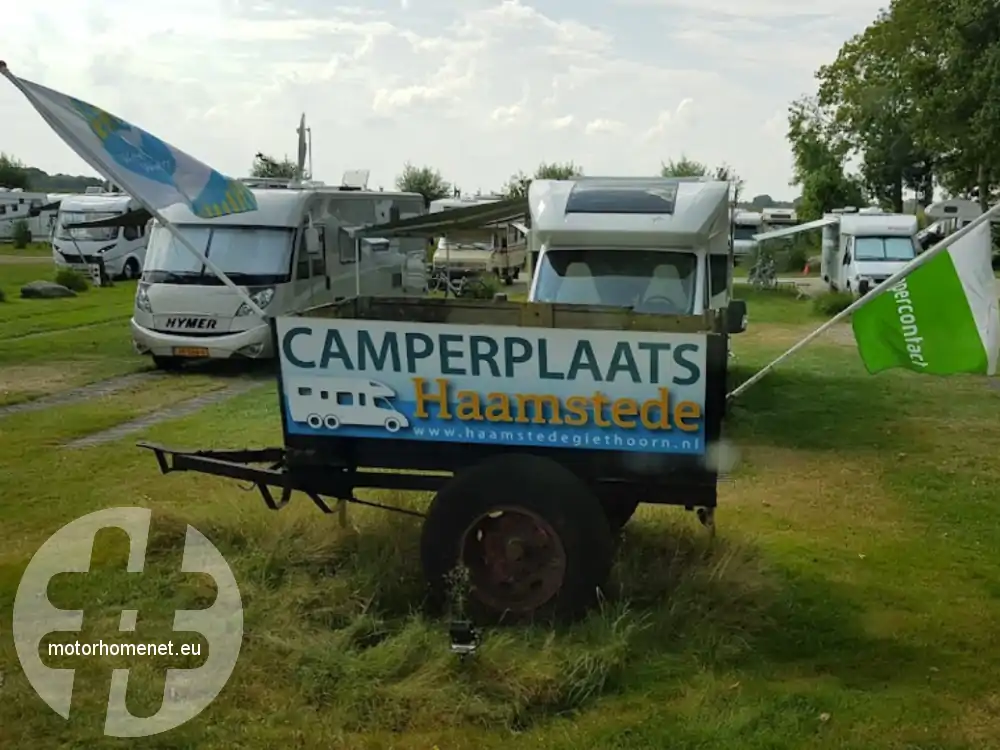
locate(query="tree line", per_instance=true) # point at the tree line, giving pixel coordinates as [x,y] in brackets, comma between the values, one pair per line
[425,180]
[915,99]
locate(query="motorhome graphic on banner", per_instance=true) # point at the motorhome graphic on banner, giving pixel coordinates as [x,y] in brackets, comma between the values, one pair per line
[597,390]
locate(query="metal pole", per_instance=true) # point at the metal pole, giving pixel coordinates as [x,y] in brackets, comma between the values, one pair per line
[309,143]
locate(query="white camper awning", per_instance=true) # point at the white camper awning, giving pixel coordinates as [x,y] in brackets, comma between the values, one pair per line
[796,229]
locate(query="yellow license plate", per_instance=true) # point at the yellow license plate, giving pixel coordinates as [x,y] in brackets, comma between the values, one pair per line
[190,351]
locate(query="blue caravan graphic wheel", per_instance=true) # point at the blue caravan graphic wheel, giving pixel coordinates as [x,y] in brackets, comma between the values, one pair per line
[392,424]
[331,422]
[315,421]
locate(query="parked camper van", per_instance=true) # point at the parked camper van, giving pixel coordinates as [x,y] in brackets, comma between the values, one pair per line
[861,249]
[294,252]
[947,217]
[39,210]
[501,250]
[745,225]
[654,245]
[778,218]
[122,249]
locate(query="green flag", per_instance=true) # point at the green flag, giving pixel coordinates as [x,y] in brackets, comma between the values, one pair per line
[942,318]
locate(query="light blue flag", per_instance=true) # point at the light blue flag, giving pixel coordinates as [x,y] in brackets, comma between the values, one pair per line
[153,172]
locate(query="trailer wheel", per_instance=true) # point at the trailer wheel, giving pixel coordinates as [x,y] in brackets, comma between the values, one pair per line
[618,512]
[331,422]
[532,535]
[392,424]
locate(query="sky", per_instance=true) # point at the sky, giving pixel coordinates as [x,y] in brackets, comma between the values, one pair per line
[478,89]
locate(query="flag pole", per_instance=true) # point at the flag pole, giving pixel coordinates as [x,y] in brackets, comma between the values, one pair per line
[865,299]
[109,174]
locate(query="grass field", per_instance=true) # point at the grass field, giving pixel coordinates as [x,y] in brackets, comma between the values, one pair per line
[48,345]
[33,250]
[850,599]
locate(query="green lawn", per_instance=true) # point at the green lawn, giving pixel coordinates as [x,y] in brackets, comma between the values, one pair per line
[48,345]
[34,249]
[850,599]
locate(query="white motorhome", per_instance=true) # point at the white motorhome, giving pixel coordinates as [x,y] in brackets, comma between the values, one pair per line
[294,252]
[861,249]
[948,217]
[501,249]
[778,218]
[39,210]
[655,245]
[745,225]
[332,402]
[85,235]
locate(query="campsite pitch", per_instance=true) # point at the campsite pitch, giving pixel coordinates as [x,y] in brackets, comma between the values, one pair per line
[849,599]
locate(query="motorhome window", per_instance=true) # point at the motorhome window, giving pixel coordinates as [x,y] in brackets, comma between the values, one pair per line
[345,399]
[354,213]
[302,264]
[87,234]
[132,233]
[3,210]
[744,232]
[362,399]
[603,199]
[305,391]
[884,248]
[318,261]
[382,403]
[718,272]
[348,247]
[248,255]
[656,281]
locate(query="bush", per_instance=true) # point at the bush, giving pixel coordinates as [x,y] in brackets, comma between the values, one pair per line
[72,279]
[829,304]
[484,286]
[21,234]
[796,259]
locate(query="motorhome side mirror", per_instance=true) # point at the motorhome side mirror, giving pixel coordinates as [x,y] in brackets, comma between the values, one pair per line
[736,316]
[847,259]
[312,241]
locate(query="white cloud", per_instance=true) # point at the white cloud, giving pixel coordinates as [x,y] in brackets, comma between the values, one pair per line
[479,90]
[605,127]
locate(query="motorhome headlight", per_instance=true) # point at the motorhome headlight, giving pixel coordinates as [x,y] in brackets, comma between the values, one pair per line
[262,298]
[142,298]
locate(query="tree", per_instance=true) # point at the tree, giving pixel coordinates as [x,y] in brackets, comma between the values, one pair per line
[874,109]
[952,67]
[424,180]
[269,167]
[820,152]
[683,167]
[517,185]
[13,174]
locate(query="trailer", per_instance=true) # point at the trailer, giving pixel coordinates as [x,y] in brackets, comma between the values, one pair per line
[539,427]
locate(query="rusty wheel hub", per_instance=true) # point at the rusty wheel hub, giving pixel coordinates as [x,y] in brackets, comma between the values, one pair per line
[515,558]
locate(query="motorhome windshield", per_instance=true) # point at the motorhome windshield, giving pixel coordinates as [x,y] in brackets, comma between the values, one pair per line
[247,255]
[653,281]
[884,248]
[83,234]
[745,231]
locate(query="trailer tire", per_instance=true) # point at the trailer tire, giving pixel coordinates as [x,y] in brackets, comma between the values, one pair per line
[618,512]
[513,487]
